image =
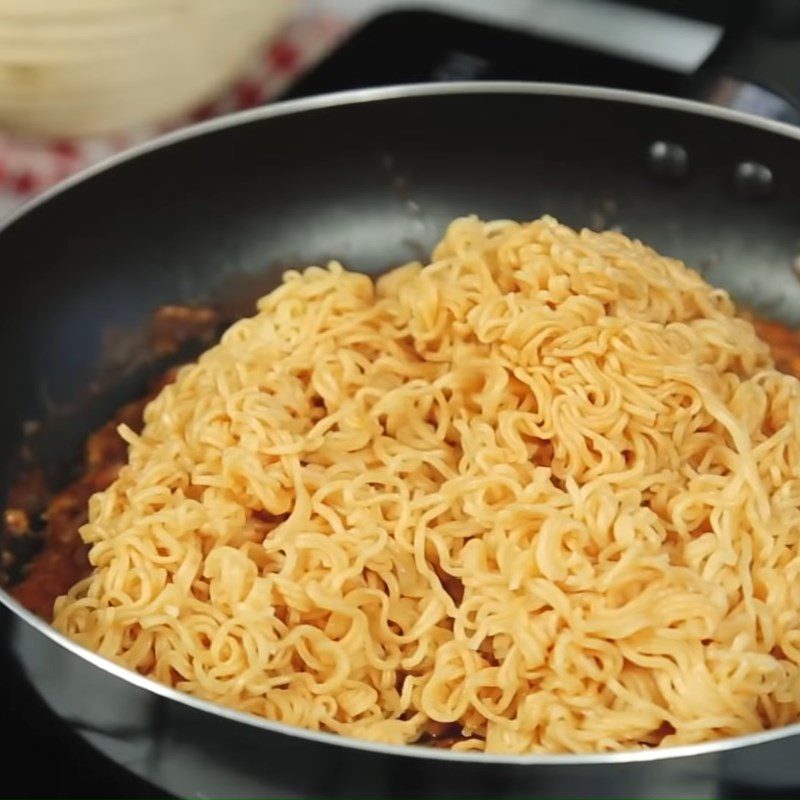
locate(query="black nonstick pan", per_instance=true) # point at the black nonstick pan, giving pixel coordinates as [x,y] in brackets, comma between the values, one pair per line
[212,216]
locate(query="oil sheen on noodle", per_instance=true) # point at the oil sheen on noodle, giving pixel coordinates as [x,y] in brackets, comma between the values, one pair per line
[543,491]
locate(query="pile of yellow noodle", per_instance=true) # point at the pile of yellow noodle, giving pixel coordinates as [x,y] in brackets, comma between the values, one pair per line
[545,490]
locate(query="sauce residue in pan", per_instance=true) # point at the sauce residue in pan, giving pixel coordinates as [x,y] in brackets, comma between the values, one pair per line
[41,551]
[54,519]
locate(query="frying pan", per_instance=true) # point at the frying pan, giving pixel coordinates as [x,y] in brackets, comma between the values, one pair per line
[371,178]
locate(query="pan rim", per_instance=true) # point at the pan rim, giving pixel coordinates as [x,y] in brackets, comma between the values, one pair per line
[357,97]
[284,108]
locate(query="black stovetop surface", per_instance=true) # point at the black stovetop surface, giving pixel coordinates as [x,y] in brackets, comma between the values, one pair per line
[42,757]
[421,47]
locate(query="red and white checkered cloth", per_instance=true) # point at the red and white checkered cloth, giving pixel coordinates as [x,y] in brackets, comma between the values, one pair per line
[28,165]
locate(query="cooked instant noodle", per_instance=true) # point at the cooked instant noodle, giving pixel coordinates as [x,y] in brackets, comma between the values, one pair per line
[542,494]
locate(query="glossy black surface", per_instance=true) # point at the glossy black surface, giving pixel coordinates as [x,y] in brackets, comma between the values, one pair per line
[448,48]
[42,755]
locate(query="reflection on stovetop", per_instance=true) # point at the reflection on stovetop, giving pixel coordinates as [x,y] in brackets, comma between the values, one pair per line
[63,765]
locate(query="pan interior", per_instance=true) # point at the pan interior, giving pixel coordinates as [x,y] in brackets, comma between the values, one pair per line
[215,218]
